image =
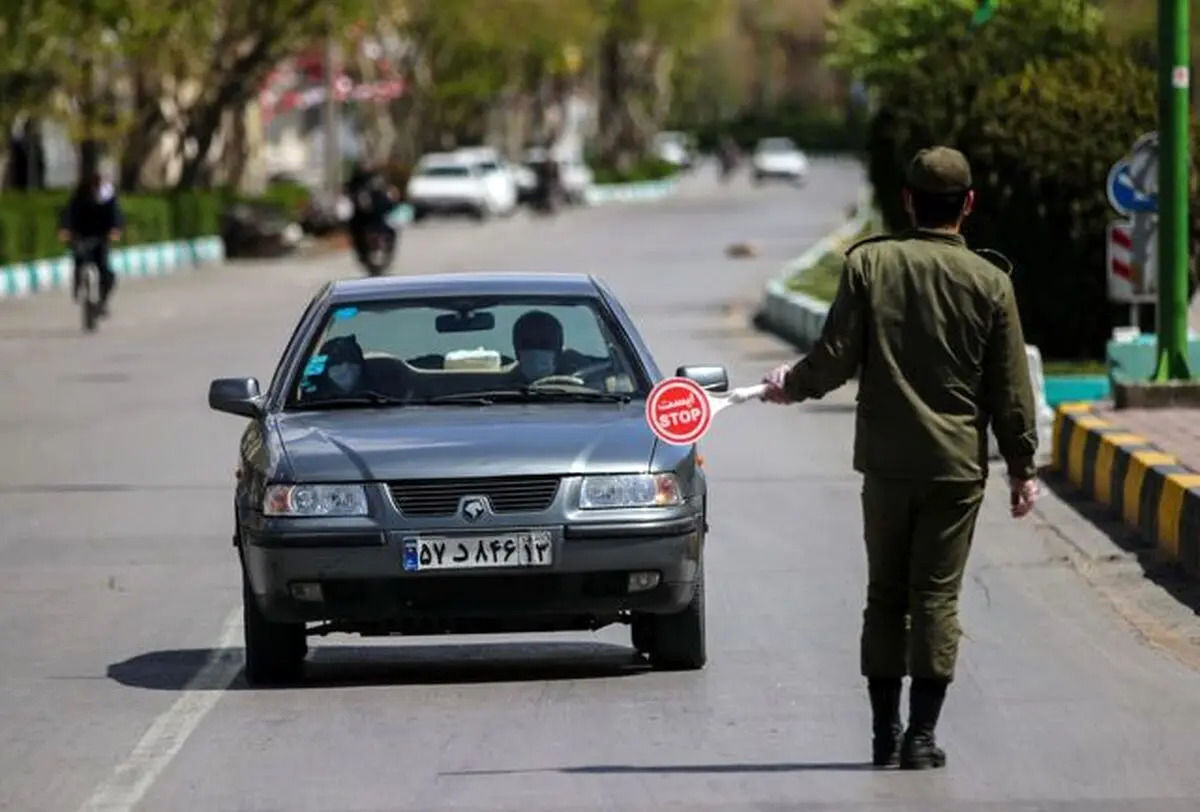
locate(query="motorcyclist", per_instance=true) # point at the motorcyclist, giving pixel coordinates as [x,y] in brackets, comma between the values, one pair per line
[728,155]
[93,212]
[548,191]
[372,198]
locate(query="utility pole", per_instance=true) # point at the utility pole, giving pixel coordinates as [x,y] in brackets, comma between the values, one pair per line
[332,151]
[1173,167]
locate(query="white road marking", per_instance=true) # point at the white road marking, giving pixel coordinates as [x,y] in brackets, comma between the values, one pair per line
[134,776]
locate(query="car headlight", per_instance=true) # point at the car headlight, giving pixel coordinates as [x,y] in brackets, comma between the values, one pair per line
[315,500]
[632,490]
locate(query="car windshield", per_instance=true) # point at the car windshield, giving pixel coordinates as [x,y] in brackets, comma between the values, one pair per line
[466,350]
[444,171]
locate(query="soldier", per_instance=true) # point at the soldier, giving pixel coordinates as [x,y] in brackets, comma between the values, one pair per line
[932,329]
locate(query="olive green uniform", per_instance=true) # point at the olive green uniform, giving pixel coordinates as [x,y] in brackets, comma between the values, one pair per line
[933,331]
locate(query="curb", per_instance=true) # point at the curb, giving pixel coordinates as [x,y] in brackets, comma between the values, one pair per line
[152,259]
[1144,486]
[796,316]
[641,192]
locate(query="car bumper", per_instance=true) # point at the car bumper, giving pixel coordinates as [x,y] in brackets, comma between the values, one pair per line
[447,204]
[364,587]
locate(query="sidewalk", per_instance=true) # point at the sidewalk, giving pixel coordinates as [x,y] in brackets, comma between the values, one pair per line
[1143,464]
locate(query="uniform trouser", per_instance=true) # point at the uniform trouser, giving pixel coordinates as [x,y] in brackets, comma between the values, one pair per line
[918,535]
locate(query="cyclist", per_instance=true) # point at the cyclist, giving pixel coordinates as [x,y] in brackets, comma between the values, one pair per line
[92,213]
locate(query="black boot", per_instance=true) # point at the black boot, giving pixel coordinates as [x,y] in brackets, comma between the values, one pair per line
[919,750]
[885,721]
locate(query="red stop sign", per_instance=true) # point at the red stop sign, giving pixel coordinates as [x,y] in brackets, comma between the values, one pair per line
[678,411]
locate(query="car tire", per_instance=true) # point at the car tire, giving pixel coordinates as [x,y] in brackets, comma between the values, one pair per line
[677,642]
[274,651]
[481,213]
[419,214]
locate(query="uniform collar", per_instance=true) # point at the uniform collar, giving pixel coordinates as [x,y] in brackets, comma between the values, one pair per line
[935,235]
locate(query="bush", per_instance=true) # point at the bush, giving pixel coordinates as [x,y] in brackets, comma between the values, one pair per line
[648,169]
[1040,142]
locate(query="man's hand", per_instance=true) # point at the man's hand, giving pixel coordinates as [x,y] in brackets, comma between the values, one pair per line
[114,235]
[775,392]
[1024,492]
[64,236]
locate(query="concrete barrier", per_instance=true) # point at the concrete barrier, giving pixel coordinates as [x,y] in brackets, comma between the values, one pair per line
[1144,486]
[153,259]
[642,192]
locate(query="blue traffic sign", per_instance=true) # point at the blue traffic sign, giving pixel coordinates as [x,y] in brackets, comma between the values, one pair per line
[1123,195]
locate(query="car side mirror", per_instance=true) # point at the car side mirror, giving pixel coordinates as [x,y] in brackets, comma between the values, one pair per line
[712,378]
[238,396]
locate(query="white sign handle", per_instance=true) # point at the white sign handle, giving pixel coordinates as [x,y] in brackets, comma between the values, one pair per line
[741,395]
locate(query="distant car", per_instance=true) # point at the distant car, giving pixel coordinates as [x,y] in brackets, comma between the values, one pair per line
[575,176]
[498,175]
[779,158]
[445,183]
[675,148]
[460,485]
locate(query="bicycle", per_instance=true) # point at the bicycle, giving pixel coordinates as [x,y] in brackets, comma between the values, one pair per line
[87,280]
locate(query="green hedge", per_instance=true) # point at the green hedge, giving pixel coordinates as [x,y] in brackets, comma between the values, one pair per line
[648,169]
[29,220]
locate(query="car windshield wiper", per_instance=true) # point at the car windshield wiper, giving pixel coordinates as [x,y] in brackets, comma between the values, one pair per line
[367,398]
[530,393]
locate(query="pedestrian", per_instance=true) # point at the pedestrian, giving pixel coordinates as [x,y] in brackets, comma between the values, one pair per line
[931,328]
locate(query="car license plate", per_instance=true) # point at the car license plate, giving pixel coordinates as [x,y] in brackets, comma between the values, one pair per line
[524,549]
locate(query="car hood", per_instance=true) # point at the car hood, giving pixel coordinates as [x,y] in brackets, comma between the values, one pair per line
[422,442]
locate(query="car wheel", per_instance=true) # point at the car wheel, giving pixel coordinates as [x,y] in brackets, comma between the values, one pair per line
[419,214]
[274,651]
[677,642]
[481,213]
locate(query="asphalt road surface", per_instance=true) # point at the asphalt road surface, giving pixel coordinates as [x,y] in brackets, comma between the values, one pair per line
[120,642]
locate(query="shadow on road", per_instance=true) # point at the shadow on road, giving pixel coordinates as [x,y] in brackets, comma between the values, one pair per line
[1168,575]
[683,769]
[358,666]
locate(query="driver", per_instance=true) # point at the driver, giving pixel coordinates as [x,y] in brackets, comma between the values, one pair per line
[538,343]
[344,371]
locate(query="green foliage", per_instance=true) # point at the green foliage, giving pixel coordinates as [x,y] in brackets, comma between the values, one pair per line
[1029,98]
[648,169]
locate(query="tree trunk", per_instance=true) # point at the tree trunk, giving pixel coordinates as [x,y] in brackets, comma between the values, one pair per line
[143,138]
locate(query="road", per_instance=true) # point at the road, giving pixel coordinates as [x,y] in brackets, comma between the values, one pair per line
[119,589]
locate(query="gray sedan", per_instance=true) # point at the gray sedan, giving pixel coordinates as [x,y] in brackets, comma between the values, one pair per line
[465,453]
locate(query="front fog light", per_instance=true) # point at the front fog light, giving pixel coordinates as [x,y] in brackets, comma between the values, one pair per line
[308,591]
[642,581]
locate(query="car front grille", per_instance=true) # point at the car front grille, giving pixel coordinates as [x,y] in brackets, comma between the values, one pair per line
[441,497]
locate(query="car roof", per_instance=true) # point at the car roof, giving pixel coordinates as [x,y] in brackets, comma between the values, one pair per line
[458,284]
[443,158]
[780,141]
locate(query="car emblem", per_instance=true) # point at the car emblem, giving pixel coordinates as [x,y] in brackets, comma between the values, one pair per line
[473,508]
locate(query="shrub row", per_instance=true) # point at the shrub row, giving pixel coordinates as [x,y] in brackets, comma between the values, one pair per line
[29,220]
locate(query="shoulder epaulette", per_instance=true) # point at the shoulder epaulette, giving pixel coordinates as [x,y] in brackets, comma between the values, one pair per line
[996,258]
[876,238]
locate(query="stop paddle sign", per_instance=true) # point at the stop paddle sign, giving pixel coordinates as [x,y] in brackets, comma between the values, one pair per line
[678,411]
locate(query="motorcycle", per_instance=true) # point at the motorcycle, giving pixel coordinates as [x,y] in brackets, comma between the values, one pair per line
[378,251]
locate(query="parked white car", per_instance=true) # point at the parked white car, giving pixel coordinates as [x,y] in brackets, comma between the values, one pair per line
[447,183]
[675,148]
[499,175]
[779,158]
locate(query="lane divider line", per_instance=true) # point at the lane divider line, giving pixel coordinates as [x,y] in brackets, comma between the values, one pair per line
[135,775]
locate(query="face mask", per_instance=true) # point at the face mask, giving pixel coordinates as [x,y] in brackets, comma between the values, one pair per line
[344,376]
[537,363]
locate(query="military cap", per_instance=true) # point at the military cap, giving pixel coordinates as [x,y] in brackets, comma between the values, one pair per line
[939,170]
